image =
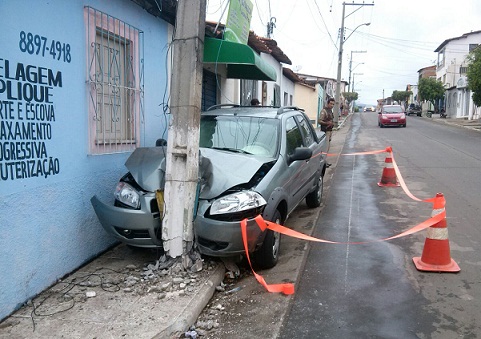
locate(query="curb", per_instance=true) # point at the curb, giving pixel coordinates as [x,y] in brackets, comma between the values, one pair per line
[447,122]
[343,122]
[192,310]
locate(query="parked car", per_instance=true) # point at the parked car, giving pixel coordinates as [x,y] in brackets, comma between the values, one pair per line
[414,109]
[391,115]
[253,160]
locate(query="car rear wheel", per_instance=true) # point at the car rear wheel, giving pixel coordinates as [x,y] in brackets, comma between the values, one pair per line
[268,255]
[314,198]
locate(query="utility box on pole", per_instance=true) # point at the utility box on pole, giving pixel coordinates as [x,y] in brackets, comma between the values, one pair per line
[182,161]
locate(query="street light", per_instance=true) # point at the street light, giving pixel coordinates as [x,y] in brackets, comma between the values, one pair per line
[353,79]
[339,63]
[339,67]
[352,69]
[364,24]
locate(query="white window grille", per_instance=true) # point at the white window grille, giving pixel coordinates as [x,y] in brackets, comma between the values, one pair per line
[115,81]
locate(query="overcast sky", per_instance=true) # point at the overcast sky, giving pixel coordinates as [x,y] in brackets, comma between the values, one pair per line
[400,40]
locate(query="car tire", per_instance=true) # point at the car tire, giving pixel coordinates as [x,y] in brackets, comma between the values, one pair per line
[268,254]
[314,198]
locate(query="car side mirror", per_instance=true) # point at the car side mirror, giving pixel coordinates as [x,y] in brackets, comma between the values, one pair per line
[300,153]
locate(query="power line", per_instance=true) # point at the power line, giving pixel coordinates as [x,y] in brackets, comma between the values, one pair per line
[322,18]
[259,13]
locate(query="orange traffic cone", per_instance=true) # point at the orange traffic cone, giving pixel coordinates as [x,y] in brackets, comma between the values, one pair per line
[388,178]
[436,255]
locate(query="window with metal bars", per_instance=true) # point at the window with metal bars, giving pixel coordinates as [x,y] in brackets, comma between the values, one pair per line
[115,83]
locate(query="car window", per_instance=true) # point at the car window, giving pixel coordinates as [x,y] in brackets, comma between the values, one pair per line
[253,135]
[306,131]
[394,109]
[293,135]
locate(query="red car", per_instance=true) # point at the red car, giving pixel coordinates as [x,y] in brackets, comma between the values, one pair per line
[391,115]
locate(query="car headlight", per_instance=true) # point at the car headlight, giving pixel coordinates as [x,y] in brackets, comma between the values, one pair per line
[236,202]
[127,195]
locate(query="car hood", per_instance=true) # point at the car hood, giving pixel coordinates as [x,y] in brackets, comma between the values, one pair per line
[218,170]
[221,170]
[147,166]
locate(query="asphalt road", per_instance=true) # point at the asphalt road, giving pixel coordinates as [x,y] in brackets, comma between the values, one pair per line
[373,290]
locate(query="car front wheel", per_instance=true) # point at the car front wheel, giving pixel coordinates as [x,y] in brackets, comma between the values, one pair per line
[314,198]
[268,255]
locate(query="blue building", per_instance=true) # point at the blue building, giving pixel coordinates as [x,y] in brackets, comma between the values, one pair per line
[82,83]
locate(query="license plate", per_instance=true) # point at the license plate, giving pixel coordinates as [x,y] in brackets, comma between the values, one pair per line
[393,120]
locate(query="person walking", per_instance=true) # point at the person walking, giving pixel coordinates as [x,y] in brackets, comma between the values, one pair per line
[326,120]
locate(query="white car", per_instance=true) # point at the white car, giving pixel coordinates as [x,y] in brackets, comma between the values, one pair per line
[369,109]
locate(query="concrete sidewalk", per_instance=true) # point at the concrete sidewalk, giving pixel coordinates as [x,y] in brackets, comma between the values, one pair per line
[470,124]
[123,293]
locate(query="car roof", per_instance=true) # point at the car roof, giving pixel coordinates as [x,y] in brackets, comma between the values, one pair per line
[253,111]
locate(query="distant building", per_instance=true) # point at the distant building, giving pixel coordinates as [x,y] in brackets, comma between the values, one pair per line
[451,70]
[326,89]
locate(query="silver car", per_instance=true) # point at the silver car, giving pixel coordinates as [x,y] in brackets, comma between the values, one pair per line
[253,161]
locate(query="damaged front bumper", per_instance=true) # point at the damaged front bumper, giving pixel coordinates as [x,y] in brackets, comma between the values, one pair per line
[218,238]
[140,228]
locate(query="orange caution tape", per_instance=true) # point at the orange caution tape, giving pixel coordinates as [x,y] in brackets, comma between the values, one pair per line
[396,169]
[403,184]
[263,224]
[387,149]
[287,288]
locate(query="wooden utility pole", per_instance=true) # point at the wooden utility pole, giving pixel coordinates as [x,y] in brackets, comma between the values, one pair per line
[183,139]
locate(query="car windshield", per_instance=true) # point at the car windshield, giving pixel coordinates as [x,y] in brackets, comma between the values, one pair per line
[393,109]
[250,135]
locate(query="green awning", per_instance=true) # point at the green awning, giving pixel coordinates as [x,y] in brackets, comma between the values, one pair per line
[241,60]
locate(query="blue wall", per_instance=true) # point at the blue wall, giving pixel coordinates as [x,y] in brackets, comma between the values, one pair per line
[47,225]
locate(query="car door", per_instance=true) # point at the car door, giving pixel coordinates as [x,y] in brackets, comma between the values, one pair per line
[312,167]
[295,171]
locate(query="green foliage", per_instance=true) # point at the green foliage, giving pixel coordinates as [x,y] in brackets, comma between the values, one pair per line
[430,89]
[474,75]
[401,96]
[350,96]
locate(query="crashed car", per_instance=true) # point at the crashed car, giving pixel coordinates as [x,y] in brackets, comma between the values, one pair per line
[253,161]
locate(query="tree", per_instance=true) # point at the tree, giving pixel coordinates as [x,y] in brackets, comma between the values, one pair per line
[430,89]
[474,75]
[401,96]
[350,96]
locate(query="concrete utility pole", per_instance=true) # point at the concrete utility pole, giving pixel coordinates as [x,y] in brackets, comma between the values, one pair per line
[350,70]
[182,163]
[339,61]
